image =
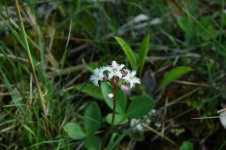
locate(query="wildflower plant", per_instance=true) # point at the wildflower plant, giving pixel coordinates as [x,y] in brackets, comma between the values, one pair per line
[116,76]
[113,84]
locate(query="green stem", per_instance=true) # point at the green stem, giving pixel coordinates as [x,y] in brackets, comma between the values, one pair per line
[27,48]
[107,135]
[114,105]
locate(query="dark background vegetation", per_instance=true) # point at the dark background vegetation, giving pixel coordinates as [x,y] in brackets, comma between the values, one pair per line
[65,34]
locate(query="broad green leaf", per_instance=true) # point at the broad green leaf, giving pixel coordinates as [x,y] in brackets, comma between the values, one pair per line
[119,119]
[173,75]
[140,106]
[93,143]
[74,131]
[92,118]
[90,90]
[206,21]
[183,23]
[120,98]
[128,51]
[90,67]
[186,145]
[143,50]
[205,28]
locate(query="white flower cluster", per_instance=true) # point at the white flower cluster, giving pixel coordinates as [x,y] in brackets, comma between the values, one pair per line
[115,71]
[138,124]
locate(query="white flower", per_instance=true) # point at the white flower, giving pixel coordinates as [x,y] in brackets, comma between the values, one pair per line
[97,76]
[131,78]
[138,125]
[114,70]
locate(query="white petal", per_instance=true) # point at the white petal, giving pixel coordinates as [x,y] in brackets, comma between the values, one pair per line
[121,66]
[101,76]
[95,80]
[136,80]
[126,78]
[131,85]
[127,70]
[118,74]
[114,64]
[110,75]
[133,73]
[108,68]
[96,71]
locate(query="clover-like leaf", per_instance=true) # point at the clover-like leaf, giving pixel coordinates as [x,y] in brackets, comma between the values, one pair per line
[74,131]
[140,106]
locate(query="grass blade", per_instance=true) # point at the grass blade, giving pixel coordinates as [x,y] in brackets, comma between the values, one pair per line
[128,51]
[173,75]
[143,50]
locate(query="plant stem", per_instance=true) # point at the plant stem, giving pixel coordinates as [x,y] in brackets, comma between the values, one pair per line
[27,48]
[107,135]
[114,104]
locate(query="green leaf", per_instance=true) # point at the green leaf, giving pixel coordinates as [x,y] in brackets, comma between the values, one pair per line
[119,119]
[187,145]
[173,75]
[140,106]
[90,67]
[120,98]
[90,90]
[92,118]
[112,139]
[128,51]
[143,50]
[206,21]
[205,28]
[93,143]
[183,23]
[74,131]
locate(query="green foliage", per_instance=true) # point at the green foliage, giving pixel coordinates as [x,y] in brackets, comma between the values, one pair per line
[173,75]
[90,90]
[81,30]
[90,67]
[203,27]
[120,96]
[143,51]
[93,143]
[92,122]
[140,106]
[74,131]
[187,145]
[128,51]
[183,24]
[119,119]
[92,118]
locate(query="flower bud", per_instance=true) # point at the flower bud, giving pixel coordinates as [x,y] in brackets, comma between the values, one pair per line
[105,78]
[125,89]
[114,81]
[110,95]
